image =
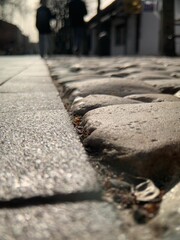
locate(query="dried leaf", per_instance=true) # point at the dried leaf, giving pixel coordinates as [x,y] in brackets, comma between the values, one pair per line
[145,191]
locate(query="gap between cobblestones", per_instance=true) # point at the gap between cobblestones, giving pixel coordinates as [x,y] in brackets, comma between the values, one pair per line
[116,185]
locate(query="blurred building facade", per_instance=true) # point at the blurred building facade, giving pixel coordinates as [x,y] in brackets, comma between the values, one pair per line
[13,42]
[117,31]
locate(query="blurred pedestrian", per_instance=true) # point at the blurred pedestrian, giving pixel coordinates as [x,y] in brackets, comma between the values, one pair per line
[77,11]
[43,19]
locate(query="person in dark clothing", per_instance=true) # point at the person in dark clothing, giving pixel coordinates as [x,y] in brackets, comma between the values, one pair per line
[77,11]
[43,18]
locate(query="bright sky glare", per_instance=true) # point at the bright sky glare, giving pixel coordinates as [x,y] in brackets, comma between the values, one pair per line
[27,22]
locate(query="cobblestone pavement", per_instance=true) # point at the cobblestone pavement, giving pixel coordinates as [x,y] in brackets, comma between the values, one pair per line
[126,112]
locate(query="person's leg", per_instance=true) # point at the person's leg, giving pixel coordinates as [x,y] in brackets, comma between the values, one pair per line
[79,40]
[46,44]
[74,40]
[50,44]
[41,45]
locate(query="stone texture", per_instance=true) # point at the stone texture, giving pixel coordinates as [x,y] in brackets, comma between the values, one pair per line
[34,84]
[70,221]
[7,74]
[112,86]
[170,86]
[11,67]
[142,139]
[21,74]
[91,102]
[21,79]
[147,75]
[152,66]
[35,70]
[153,97]
[167,224]
[177,94]
[127,72]
[77,78]
[27,102]
[41,155]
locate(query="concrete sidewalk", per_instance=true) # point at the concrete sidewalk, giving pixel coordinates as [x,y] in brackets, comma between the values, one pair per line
[48,189]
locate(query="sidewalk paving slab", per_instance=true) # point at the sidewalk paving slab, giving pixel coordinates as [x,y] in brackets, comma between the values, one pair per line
[29,101]
[28,86]
[41,155]
[68,221]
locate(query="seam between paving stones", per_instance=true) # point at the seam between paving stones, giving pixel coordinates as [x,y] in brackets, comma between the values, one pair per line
[8,79]
[51,200]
